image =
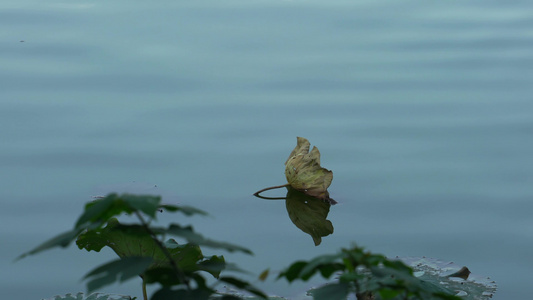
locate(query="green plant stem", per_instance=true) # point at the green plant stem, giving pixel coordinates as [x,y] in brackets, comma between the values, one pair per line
[180,274]
[270,188]
[145,296]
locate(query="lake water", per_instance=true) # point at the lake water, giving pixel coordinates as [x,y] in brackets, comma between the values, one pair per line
[422,110]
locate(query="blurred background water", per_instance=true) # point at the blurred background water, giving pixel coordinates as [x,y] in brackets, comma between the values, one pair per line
[422,110]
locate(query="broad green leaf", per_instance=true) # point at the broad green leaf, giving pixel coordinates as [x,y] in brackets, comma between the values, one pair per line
[125,240]
[233,297]
[327,270]
[186,210]
[96,209]
[309,214]
[118,270]
[188,234]
[386,294]
[372,274]
[101,210]
[186,257]
[182,294]
[213,265]
[165,275]
[393,278]
[97,213]
[397,265]
[144,203]
[293,271]
[304,173]
[334,291]
[385,280]
[134,241]
[62,240]
[437,272]
[325,264]
[351,276]
[328,261]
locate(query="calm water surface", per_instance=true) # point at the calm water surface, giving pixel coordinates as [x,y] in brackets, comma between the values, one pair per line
[422,110]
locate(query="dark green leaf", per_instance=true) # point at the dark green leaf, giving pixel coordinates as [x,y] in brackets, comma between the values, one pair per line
[118,270]
[145,203]
[315,264]
[398,265]
[200,280]
[403,280]
[186,210]
[386,273]
[101,210]
[186,257]
[62,240]
[370,259]
[352,276]
[231,297]
[437,272]
[164,275]
[125,240]
[326,270]
[446,296]
[134,240]
[334,291]
[386,294]
[182,294]
[293,272]
[188,234]
[213,265]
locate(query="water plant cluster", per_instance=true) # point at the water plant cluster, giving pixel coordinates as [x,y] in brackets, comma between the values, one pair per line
[181,269]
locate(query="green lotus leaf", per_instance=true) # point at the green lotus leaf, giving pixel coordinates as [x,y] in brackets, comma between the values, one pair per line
[135,241]
[304,173]
[454,277]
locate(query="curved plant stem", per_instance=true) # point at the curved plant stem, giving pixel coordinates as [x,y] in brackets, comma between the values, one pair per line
[145,296]
[270,188]
[179,273]
[271,198]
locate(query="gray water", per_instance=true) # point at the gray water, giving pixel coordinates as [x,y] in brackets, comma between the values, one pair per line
[422,110]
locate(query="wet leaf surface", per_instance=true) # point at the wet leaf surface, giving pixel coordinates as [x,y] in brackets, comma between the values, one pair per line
[474,287]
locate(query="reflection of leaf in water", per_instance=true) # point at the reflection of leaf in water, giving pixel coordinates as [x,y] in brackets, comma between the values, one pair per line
[309,214]
[304,173]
